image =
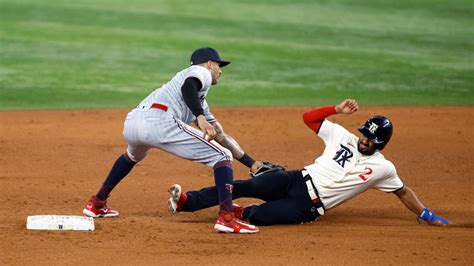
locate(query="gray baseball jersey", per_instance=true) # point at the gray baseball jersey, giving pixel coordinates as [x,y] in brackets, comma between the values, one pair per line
[168,127]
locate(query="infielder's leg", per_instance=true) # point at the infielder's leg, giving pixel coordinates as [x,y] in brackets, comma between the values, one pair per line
[193,146]
[171,135]
[177,138]
[136,152]
[122,166]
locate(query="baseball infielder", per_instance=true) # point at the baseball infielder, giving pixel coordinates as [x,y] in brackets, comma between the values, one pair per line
[162,120]
[348,166]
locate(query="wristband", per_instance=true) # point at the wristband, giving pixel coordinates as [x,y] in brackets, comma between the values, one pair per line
[426,215]
[247,160]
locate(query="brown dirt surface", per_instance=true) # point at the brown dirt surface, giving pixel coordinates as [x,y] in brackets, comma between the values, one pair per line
[53,161]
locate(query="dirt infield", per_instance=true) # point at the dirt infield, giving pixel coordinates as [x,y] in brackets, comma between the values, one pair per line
[53,161]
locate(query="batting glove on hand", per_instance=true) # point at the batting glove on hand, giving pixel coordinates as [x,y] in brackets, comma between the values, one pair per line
[430,217]
[267,167]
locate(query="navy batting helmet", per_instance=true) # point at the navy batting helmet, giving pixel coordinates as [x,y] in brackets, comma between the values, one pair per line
[378,129]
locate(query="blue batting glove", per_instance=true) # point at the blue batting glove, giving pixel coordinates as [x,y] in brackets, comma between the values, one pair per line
[429,216]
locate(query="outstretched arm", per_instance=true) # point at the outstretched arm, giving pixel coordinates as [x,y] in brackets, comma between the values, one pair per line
[411,201]
[237,152]
[314,117]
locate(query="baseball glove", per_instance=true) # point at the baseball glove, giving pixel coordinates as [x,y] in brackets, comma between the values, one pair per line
[266,168]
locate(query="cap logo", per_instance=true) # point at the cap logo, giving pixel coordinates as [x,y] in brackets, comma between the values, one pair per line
[373,127]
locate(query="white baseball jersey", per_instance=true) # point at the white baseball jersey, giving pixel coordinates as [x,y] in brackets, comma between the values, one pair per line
[342,172]
[146,127]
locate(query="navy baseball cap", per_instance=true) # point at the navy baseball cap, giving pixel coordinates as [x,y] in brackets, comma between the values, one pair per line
[205,54]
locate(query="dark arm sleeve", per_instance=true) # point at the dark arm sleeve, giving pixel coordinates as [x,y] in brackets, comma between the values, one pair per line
[190,90]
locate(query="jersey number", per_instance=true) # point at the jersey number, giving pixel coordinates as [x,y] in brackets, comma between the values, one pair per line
[368,172]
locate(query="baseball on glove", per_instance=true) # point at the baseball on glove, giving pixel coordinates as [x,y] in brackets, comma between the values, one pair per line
[267,167]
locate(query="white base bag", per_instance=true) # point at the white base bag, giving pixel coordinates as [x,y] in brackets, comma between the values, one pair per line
[60,222]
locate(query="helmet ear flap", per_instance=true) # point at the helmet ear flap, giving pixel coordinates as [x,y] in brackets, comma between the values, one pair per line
[381,146]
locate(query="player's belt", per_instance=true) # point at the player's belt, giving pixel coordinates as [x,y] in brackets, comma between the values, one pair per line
[313,192]
[159,106]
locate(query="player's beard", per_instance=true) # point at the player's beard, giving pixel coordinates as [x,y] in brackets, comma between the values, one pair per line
[364,149]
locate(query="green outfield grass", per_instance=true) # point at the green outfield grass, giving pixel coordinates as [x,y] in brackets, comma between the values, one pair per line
[111,53]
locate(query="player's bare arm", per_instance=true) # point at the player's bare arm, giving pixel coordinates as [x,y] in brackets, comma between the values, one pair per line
[410,200]
[408,197]
[227,141]
[231,144]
